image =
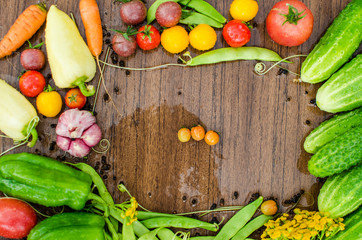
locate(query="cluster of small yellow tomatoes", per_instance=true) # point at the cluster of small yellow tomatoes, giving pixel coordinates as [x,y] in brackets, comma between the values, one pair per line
[198,133]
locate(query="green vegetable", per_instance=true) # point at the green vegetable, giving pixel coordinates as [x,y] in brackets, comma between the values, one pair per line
[205,8]
[70,59]
[151,13]
[18,118]
[343,91]
[70,226]
[342,153]
[167,234]
[334,49]
[237,222]
[196,18]
[178,222]
[332,128]
[233,54]
[252,226]
[353,227]
[43,180]
[342,193]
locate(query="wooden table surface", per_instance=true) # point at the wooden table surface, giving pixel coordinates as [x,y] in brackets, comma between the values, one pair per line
[263,120]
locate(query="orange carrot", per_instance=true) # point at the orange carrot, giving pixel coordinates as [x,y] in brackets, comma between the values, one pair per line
[23,29]
[89,12]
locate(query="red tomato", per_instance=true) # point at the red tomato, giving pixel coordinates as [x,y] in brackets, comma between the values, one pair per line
[32,83]
[75,99]
[290,23]
[148,37]
[236,33]
[17,218]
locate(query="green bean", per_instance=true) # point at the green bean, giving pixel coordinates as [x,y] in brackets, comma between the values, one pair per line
[238,220]
[114,223]
[179,222]
[196,18]
[151,13]
[253,225]
[233,54]
[97,180]
[112,229]
[167,234]
[204,8]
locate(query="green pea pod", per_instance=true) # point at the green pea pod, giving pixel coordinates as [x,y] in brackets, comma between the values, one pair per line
[97,180]
[196,18]
[238,221]
[143,215]
[202,238]
[179,222]
[127,230]
[234,54]
[69,226]
[205,8]
[252,226]
[150,235]
[44,181]
[151,13]
[167,234]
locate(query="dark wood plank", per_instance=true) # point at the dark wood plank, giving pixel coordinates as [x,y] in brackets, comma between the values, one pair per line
[262,119]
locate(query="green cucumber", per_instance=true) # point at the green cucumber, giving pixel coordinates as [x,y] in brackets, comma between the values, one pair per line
[342,193]
[343,91]
[338,44]
[353,227]
[342,153]
[332,128]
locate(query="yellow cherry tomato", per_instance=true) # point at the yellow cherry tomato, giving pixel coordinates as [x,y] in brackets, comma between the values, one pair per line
[198,133]
[49,103]
[184,135]
[175,39]
[244,10]
[269,207]
[203,37]
[212,138]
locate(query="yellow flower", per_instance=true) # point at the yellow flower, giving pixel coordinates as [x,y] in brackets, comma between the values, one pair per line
[275,234]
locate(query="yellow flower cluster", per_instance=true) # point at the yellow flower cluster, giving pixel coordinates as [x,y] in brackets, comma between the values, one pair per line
[305,225]
[129,210]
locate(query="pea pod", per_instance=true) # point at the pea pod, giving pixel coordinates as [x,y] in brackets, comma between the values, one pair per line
[179,222]
[167,234]
[196,18]
[238,221]
[151,13]
[44,181]
[204,8]
[234,54]
[252,226]
[70,226]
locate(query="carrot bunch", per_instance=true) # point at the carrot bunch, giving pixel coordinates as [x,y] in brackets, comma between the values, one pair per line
[23,29]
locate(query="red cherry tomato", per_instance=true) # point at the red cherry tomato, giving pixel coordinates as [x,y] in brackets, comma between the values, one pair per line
[148,37]
[17,218]
[32,83]
[236,33]
[290,23]
[75,99]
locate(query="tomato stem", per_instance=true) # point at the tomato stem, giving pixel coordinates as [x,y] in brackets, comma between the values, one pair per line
[293,15]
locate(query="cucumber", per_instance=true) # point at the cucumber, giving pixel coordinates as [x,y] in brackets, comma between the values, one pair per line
[343,91]
[342,193]
[332,128]
[353,227]
[342,153]
[338,44]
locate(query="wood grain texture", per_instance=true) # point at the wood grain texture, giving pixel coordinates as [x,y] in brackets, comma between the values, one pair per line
[263,120]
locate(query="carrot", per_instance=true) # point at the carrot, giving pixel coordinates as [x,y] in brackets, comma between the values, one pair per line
[23,29]
[89,12]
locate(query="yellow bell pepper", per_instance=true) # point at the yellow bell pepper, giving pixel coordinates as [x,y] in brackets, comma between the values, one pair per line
[18,118]
[70,59]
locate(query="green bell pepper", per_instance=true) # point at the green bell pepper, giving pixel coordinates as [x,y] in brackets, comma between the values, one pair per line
[70,226]
[44,181]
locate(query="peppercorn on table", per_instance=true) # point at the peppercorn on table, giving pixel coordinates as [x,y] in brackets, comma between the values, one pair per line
[262,120]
